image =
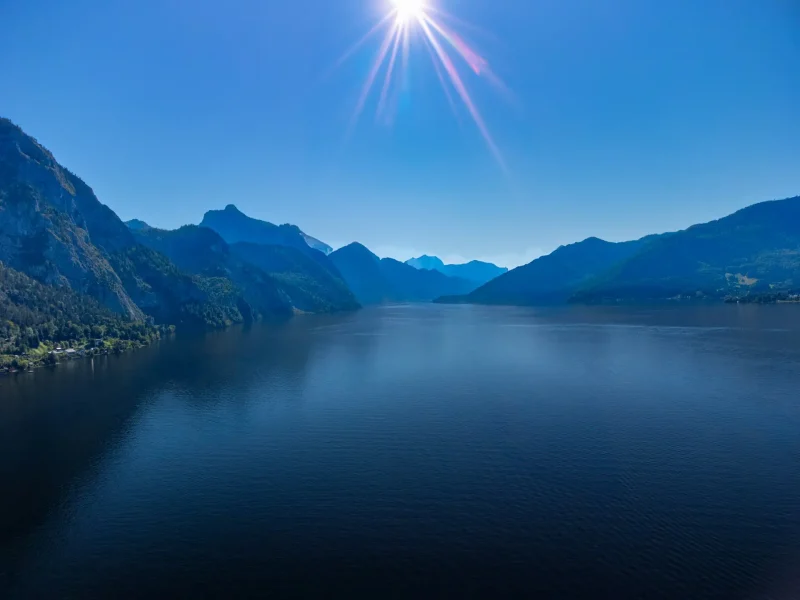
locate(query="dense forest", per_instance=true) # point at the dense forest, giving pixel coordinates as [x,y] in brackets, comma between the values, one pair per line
[35,318]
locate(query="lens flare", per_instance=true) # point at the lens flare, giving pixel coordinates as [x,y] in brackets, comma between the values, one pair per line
[419,16]
[408,9]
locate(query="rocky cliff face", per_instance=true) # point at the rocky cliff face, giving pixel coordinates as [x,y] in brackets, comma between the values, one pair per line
[53,227]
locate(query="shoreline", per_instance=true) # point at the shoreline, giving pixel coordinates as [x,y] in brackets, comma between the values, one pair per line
[113,349]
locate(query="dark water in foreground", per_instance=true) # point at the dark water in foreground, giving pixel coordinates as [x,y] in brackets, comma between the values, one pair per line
[416,451]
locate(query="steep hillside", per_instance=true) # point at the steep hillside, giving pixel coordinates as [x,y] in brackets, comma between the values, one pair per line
[312,285]
[362,272]
[52,226]
[554,278]
[754,250]
[136,225]
[32,313]
[235,226]
[203,253]
[374,280]
[271,280]
[54,229]
[475,271]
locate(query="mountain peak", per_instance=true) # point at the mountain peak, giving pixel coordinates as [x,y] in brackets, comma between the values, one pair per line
[357,249]
[475,271]
[137,225]
[432,263]
[234,226]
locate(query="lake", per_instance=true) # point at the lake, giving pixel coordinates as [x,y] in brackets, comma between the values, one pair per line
[416,451]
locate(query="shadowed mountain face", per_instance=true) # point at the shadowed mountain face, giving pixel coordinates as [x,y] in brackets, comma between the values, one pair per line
[202,252]
[52,226]
[137,225]
[362,271]
[235,226]
[554,278]
[374,280]
[475,271]
[312,283]
[754,250]
[266,280]
[54,229]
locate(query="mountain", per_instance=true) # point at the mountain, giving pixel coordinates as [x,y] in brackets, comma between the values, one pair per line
[752,251]
[312,285]
[374,280]
[54,229]
[235,226]
[475,271]
[136,225]
[174,297]
[431,263]
[363,273]
[271,280]
[201,251]
[422,285]
[554,278]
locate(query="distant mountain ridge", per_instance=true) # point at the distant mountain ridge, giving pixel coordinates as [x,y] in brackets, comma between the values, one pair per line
[233,268]
[431,263]
[753,251]
[375,280]
[137,225]
[272,280]
[476,271]
[313,284]
[235,226]
[554,278]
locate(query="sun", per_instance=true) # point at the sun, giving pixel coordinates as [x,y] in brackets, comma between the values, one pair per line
[422,23]
[408,10]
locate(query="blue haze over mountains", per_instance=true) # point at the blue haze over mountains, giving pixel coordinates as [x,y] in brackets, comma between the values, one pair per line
[476,271]
[232,268]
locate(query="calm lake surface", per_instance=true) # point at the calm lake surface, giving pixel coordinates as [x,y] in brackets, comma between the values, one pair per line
[416,451]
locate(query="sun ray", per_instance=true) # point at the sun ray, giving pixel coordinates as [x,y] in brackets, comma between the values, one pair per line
[458,84]
[476,62]
[376,67]
[437,38]
[388,79]
[442,82]
[354,48]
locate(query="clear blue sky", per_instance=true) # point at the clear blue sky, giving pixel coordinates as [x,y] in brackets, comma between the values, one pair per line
[633,116]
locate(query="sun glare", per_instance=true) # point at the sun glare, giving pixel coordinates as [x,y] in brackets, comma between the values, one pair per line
[408,10]
[444,45]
